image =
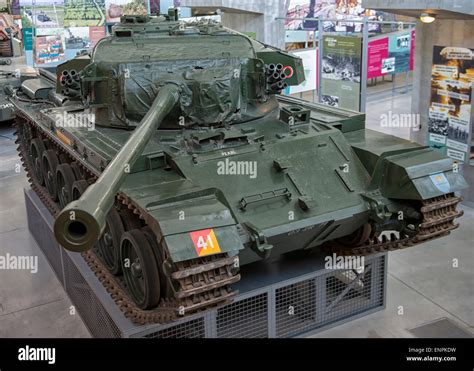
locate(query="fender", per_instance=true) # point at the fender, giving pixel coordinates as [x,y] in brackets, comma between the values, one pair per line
[196,224]
[418,175]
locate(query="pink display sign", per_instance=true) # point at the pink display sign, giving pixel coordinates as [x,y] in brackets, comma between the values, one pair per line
[412,50]
[378,52]
[394,53]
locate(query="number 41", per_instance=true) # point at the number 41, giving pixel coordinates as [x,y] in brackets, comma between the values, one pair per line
[202,244]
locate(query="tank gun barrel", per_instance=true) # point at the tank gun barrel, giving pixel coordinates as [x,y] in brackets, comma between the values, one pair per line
[80,224]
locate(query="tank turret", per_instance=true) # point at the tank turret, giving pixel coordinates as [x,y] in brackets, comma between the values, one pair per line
[225,77]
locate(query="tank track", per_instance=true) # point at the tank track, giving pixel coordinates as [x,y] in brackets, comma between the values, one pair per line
[438,221]
[203,282]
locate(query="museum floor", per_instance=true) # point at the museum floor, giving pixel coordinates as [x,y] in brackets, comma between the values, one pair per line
[422,280]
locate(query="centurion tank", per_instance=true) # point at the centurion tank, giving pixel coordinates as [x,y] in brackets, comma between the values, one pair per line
[170,160]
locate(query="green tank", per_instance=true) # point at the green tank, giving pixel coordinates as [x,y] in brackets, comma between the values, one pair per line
[170,159]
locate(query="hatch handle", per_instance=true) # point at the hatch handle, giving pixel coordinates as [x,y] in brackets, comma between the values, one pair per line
[259,197]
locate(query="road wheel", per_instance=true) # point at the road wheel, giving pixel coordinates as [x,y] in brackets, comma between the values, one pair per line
[49,164]
[139,269]
[78,188]
[78,172]
[64,180]
[108,247]
[37,148]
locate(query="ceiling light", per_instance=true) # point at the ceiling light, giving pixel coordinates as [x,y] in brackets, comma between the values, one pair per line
[427,18]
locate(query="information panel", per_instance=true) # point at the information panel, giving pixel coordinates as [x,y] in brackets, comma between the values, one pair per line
[58,29]
[391,54]
[84,13]
[117,8]
[341,71]
[42,13]
[449,123]
[310,65]
[48,49]
[345,11]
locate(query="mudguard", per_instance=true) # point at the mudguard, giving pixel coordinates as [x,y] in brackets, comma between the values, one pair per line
[195,226]
[418,175]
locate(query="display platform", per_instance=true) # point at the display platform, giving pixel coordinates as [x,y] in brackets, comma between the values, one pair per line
[287,297]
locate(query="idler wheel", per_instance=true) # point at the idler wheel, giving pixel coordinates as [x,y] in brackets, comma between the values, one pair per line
[108,247]
[78,188]
[64,181]
[49,164]
[139,269]
[37,149]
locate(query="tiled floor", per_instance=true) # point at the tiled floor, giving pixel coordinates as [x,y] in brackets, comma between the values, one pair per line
[31,304]
[422,281]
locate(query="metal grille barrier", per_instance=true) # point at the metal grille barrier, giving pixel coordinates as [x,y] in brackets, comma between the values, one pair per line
[296,309]
[245,318]
[187,329]
[285,298]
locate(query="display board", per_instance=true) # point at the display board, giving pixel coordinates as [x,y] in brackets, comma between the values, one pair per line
[377,56]
[48,49]
[310,65]
[450,114]
[399,52]
[42,13]
[78,38]
[79,24]
[84,13]
[343,10]
[27,39]
[341,71]
[391,54]
[117,8]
